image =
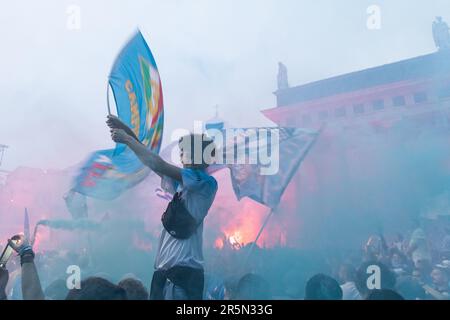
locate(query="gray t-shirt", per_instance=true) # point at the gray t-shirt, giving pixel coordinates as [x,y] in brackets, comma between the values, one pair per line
[198,190]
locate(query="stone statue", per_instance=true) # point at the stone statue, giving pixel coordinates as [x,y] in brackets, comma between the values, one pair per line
[282,77]
[441,34]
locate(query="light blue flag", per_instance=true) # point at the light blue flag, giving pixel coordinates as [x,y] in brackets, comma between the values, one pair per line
[137,90]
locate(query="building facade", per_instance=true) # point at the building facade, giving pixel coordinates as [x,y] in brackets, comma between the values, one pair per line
[416,89]
[383,155]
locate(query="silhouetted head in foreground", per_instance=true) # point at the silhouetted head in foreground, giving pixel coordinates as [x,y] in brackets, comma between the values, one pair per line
[322,287]
[252,287]
[57,290]
[95,288]
[134,288]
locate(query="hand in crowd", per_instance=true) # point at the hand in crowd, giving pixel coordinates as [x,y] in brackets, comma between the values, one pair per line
[31,285]
[20,244]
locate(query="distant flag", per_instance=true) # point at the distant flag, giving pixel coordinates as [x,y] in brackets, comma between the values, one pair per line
[137,90]
[247,180]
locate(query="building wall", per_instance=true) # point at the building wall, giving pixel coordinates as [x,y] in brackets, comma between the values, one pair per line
[370,169]
[388,103]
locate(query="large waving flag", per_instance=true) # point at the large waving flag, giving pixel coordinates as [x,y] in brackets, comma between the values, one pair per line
[137,90]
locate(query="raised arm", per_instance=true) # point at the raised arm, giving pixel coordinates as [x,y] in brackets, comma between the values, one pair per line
[147,157]
[31,285]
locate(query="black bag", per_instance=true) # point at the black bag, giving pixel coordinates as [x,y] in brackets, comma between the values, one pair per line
[190,279]
[177,220]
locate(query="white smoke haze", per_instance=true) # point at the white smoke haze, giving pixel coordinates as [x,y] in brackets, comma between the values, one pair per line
[208,53]
[353,182]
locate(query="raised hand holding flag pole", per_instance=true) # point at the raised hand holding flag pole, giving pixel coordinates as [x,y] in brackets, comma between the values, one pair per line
[137,90]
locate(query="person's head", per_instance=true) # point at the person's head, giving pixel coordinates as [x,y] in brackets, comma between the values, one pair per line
[397,259]
[322,287]
[368,269]
[373,246]
[384,294]
[440,276]
[134,288]
[347,273]
[57,290]
[196,151]
[252,287]
[95,288]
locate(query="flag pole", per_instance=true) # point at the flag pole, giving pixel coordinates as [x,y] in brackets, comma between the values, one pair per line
[258,235]
[318,133]
[26,225]
[32,240]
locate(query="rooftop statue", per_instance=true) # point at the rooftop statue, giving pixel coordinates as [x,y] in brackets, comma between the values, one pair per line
[282,77]
[441,34]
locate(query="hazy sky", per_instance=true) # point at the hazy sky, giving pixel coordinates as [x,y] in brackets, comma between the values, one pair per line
[53,79]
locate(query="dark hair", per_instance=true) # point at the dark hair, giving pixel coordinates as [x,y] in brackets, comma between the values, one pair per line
[57,290]
[95,288]
[134,288]
[193,139]
[252,287]
[384,294]
[387,277]
[322,287]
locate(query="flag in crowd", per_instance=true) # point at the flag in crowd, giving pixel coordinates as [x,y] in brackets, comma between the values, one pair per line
[248,180]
